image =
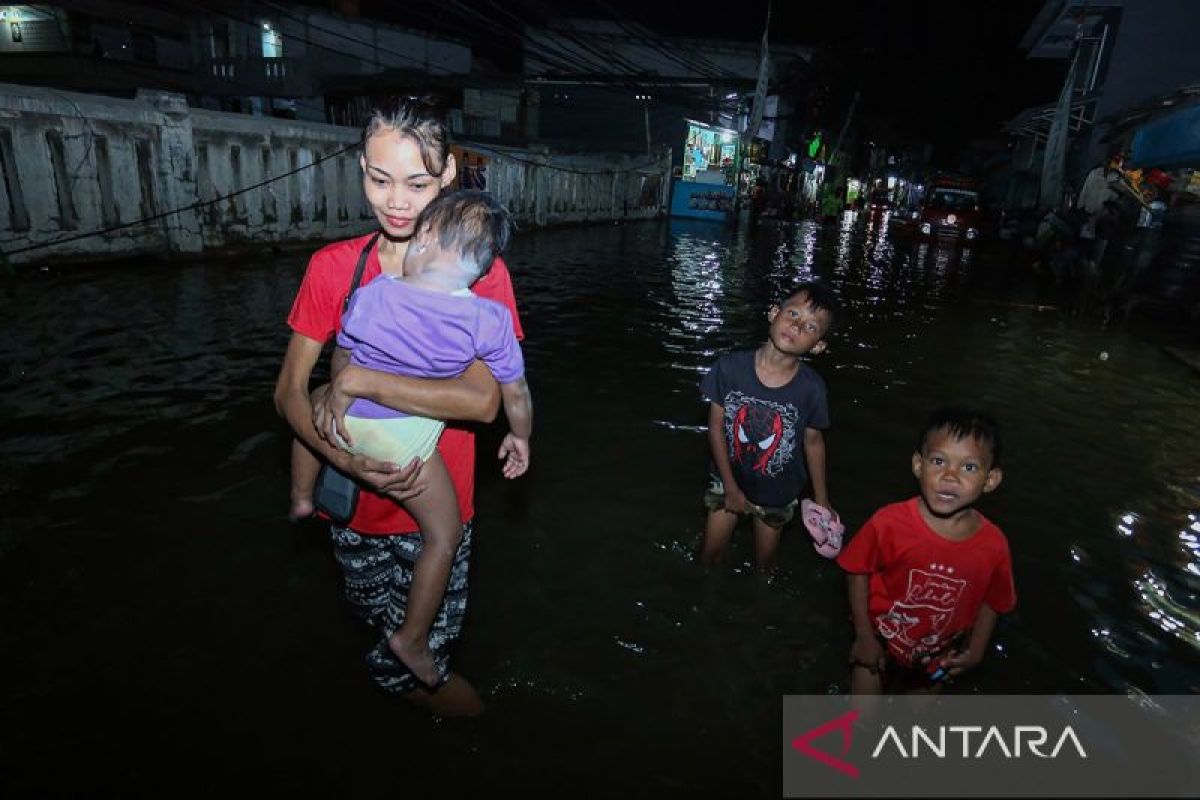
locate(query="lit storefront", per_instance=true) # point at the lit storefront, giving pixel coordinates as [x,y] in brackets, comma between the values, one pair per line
[708,154]
[705,188]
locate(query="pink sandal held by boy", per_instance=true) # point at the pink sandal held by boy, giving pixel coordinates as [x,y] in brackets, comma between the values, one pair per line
[824,526]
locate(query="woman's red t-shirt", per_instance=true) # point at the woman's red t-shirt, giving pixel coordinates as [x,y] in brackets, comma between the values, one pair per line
[317,314]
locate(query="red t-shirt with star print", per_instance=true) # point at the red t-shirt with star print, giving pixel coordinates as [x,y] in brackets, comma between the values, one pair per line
[926,589]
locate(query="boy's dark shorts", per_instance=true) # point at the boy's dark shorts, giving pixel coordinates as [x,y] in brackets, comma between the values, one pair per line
[903,678]
[714,500]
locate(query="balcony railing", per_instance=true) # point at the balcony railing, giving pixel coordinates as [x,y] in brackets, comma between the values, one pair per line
[281,77]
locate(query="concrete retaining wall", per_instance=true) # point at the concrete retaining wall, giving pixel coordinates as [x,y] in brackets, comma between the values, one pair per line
[73,164]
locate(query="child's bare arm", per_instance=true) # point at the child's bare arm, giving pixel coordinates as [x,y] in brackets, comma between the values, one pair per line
[866,650]
[814,453]
[981,634]
[518,407]
[734,499]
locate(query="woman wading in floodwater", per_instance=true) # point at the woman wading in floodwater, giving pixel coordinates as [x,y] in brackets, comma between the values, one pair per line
[406,163]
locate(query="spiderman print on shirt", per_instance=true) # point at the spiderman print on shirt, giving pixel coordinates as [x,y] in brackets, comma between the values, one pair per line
[762,434]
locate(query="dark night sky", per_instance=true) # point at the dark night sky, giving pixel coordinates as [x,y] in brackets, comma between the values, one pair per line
[928,70]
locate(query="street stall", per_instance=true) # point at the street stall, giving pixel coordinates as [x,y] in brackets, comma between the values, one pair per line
[705,187]
[1163,165]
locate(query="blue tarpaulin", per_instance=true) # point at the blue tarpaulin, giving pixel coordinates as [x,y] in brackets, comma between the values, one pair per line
[1169,142]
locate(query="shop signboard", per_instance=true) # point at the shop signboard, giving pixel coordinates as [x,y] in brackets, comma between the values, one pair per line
[702,201]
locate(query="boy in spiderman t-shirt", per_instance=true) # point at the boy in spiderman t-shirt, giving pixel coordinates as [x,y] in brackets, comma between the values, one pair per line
[928,577]
[767,411]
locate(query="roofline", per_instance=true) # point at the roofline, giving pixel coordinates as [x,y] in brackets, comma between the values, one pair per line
[1050,12]
[804,51]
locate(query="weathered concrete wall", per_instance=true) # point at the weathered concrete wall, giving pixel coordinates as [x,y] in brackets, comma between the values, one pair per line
[548,189]
[74,164]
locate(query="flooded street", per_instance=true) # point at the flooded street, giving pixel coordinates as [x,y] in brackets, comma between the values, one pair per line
[162,618]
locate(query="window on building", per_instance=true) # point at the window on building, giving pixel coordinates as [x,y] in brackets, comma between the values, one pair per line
[18,214]
[272,41]
[220,41]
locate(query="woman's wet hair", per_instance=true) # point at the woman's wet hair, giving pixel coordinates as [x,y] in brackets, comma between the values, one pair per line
[472,224]
[964,423]
[419,119]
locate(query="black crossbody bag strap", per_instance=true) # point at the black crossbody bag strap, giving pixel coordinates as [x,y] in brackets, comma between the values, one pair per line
[336,494]
[358,270]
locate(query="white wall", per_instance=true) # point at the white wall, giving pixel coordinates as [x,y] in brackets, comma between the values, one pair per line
[191,159]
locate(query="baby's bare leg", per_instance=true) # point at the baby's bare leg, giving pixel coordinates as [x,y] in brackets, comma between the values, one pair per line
[436,512]
[305,467]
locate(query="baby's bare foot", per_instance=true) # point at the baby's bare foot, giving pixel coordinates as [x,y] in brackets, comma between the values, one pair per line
[415,655]
[302,508]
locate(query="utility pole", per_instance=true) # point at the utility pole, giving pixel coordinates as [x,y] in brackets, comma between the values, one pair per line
[737,165]
[845,126]
[834,172]
[1055,156]
[752,122]
[646,111]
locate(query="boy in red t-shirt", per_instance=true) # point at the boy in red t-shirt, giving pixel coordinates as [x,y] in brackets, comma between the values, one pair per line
[929,576]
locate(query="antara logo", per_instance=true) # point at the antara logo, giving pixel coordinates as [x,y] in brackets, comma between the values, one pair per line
[975,742]
[1032,737]
[844,723]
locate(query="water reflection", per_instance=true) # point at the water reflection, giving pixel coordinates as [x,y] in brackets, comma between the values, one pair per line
[121,377]
[1167,612]
[806,237]
[699,265]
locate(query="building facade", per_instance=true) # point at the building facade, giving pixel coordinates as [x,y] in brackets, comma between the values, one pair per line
[262,58]
[1126,53]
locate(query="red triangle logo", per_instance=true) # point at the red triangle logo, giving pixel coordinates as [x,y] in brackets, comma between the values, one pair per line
[844,723]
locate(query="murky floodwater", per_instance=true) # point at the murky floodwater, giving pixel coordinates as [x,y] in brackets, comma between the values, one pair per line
[165,626]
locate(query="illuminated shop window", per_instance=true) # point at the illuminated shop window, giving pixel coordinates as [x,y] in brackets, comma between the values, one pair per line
[272,41]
